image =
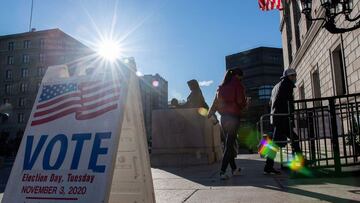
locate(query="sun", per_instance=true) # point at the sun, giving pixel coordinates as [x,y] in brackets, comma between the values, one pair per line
[109,49]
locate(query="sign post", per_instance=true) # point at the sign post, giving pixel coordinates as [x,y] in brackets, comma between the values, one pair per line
[85,139]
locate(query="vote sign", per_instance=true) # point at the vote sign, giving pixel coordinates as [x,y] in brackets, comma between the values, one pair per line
[68,148]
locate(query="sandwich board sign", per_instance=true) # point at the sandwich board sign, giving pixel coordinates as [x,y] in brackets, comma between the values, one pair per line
[85,139]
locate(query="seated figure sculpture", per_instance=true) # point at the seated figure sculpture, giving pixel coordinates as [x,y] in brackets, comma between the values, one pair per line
[195,98]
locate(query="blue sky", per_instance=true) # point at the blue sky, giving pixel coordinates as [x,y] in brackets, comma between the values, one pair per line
[179,39]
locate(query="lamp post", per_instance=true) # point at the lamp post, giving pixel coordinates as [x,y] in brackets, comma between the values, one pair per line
[333,8]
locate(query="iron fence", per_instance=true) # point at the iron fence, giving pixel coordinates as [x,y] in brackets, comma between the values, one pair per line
[328,129]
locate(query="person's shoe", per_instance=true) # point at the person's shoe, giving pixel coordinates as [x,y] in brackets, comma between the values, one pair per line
[236,172]
[224,176]
[268,171]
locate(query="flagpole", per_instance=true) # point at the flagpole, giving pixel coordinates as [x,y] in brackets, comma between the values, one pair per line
[31,13]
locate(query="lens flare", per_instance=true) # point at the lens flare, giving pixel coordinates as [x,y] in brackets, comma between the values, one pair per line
[297,164]
[126,61]
[155,83]
[109,50]
[250,135]
[202,111]
[268,148]
[138,73]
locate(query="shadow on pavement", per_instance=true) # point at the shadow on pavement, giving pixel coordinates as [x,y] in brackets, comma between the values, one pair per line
[5,171]
[4,176]
[252,175]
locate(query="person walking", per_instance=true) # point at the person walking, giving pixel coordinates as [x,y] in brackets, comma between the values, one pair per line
[281,102]
[229,102]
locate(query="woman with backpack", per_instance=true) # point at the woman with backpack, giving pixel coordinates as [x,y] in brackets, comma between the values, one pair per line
[229,102]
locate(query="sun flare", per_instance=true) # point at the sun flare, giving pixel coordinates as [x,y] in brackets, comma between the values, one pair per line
[109,50]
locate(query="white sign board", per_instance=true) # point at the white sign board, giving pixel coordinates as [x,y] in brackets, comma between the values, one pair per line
[71,142]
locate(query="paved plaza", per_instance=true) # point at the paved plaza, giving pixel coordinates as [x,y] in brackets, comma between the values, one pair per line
[202,184]
[5,170]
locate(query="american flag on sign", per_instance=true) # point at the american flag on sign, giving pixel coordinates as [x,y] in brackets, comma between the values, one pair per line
[267,5]
[85,99]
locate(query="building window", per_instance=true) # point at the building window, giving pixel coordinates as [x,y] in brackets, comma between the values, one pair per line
[338,71]
[23,87]
[316,90]
[10,60]
[302,95]
[11,46]
[287,21]
[8,89]
[315,80]
[22,102]
[8,74]
[42,58]
[275,59]
[62,59]
[26,59]
[27,44]
[61,44]
[308,24]
[301,92]
[21,118]
[265,92]
[24,73]
[6,101]
[41,71]
[297,17]
[42,43]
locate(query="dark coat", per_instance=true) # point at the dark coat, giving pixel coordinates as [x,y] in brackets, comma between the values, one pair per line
[282,103]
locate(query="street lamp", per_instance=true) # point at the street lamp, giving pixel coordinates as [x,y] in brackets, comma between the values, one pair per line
[333,8]
[325,3]
[305,6]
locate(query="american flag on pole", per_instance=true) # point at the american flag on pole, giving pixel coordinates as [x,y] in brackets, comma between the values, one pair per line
[86,100]
[267,5]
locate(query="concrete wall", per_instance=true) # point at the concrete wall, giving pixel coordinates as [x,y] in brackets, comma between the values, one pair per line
[183,137]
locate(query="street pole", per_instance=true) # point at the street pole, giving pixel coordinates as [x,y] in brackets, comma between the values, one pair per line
[31,13]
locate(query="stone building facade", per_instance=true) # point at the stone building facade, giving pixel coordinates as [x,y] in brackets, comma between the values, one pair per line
[154,95]
[327,64]
[24,59]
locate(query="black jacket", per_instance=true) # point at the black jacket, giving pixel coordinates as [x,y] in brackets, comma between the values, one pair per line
[282,101]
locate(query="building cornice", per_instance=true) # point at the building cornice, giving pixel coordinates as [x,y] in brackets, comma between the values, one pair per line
[26,34]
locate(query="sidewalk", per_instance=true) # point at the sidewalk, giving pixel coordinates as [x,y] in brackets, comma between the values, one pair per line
[5,171]
[202,184]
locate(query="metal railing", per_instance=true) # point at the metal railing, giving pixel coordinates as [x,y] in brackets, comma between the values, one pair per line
[328,130]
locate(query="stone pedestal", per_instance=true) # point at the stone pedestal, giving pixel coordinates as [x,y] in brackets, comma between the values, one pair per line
[182,137]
